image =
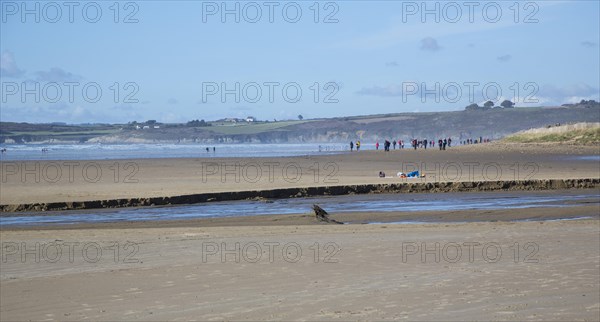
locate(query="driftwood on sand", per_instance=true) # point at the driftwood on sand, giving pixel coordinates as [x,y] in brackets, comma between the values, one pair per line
[322,215]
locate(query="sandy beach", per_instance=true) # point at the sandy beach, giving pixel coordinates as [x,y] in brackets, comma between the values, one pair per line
[64,181]
[505,264]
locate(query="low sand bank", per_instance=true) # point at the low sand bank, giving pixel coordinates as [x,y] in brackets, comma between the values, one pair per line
[431,187]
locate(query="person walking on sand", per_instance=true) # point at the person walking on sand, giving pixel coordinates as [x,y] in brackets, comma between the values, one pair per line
[445,142]
[425,144]
[394,143]
[377,145]
[449,142]
[351,146]
[357,146]
[440,144]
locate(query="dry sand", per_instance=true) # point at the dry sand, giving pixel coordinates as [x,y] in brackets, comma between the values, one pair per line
[360,272]
[145,178]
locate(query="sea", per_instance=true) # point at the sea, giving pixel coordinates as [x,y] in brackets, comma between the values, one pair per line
[23,152]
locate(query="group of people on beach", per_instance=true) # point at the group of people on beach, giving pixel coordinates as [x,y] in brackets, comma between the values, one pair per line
[357,146]
[44,150]
[471,141]
[387,145]
[442,143]
[420,144]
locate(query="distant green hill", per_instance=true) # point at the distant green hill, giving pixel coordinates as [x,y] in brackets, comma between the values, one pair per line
[460,125]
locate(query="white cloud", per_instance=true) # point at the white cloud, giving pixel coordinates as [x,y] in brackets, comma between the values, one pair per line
[170,117]
[62,112]
[400,32]
[577,99]
[387,91]
[549,95]
[589,44]
[429,44]
[8,65]
[575,90]
[56,74]
[504,58]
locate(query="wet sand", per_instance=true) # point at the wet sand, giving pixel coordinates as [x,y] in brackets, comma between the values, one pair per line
[573,204]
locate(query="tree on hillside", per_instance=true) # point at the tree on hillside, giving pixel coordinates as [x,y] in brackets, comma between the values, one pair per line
[507,104]
[472,107]
[300,117]
[488,104]
[197,123]
[588,104]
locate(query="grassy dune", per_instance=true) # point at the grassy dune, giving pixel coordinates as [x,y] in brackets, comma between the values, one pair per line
[579,133]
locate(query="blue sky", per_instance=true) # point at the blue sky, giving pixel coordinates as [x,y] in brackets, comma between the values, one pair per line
[172,61]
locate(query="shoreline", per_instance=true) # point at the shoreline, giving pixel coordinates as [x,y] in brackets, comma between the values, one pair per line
[301,192]
[577,211]
[367,148]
